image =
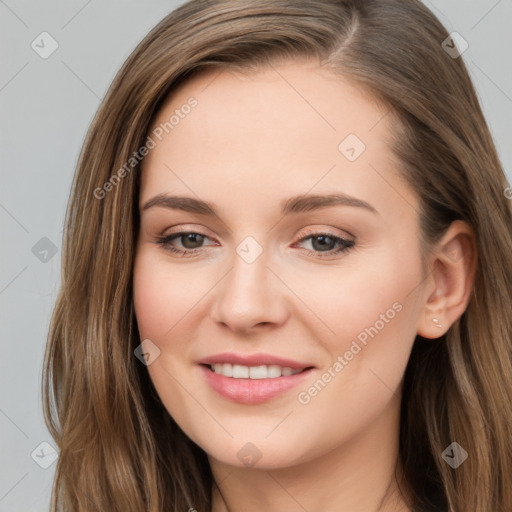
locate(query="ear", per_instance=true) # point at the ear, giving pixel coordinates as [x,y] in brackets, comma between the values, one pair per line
[450,282]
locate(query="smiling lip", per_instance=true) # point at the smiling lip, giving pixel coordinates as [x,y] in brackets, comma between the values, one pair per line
[252,391]
[253,360]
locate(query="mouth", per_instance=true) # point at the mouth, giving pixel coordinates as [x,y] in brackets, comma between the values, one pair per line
[239,371]
[251,385]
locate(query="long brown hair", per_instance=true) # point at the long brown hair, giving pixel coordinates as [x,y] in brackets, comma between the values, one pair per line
[119,448]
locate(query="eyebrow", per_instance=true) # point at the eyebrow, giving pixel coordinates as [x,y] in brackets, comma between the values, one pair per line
[296,204]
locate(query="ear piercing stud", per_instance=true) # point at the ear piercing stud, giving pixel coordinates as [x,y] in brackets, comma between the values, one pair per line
[436,321]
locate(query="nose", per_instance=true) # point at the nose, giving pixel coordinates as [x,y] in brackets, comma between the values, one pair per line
[250,296]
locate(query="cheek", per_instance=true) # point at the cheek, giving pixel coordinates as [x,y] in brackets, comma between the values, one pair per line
[371,317]
[169,309]
[149,297]
[159,305]
[162,294]
[371,312]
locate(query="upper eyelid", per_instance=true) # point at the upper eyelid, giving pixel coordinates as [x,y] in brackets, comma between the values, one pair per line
[319,231]
[314,231]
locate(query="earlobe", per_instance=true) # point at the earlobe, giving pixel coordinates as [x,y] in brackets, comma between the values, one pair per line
[437,322]
[448,289]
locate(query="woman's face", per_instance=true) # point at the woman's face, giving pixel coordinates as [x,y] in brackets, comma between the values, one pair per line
[306,257]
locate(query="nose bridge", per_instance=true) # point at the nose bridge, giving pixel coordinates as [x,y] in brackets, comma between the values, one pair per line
[248,296]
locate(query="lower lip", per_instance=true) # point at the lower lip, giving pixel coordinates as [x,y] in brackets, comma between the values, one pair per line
[251,391]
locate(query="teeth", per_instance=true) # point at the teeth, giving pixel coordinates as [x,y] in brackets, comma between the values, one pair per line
[258,372]
[227,370]
[238,371]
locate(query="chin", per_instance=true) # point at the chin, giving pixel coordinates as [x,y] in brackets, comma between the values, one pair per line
[262,455]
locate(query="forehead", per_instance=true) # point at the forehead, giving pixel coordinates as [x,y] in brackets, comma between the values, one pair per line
[283,129]
[284,90]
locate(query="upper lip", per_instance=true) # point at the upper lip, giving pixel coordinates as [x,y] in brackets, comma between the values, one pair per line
[254,360]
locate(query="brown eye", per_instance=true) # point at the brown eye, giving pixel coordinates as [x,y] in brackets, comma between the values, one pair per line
[191,240]
[326,243]
[323,243]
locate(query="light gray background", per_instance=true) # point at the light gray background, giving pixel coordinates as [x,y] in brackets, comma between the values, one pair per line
[46,107]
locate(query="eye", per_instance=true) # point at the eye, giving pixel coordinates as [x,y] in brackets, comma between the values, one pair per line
[327,243]
[192,243]
[190,240]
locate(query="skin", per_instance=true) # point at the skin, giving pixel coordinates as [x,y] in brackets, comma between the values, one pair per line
[252,141]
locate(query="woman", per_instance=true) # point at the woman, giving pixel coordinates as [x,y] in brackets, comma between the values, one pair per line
[286,274]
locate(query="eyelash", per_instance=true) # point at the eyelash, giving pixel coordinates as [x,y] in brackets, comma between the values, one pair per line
[346,245]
